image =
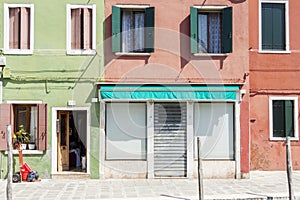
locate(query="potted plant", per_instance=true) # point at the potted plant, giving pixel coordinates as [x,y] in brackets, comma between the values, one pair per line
[21,137]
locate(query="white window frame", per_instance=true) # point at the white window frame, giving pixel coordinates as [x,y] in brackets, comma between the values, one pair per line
[296,131]
[7,50]
[287,26]
[71,51]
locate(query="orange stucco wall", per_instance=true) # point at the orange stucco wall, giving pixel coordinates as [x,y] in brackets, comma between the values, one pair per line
[172,61]
[271,75]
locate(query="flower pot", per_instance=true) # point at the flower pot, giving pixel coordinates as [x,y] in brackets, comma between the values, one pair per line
[24,146]
[31,146]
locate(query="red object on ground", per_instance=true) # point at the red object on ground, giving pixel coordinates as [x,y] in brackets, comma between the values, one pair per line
[25,170]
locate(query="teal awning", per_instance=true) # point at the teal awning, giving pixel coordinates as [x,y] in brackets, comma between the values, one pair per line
[180,92]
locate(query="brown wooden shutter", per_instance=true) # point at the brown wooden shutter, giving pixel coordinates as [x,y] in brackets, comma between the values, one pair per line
[87,30]
[42,127]
[25,29]
[14,28]
[5,119]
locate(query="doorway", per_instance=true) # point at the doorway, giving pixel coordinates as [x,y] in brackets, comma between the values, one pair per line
[71,129]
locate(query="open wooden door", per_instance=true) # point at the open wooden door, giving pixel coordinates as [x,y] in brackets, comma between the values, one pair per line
[63,132]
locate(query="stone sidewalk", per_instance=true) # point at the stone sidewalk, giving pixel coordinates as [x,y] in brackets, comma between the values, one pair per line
[261,185]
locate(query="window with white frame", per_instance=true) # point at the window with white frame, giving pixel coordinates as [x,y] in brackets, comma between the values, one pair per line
[126,131]
[283,117]
[18,28]
[81,27]
[274,25]
[211,29]
[132,29]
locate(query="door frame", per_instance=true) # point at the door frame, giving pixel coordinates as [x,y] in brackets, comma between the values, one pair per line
[54,136]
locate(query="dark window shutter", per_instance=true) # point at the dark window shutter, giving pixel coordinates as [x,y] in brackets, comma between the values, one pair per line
[278,26]
[149,29]
[5,116]
[42,127]
[194,29]
[273,26]
[116,29]
[289,118]
[227,30]
[278,118]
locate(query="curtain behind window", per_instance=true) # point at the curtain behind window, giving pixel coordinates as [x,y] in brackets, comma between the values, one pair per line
[132,31]
[214,33]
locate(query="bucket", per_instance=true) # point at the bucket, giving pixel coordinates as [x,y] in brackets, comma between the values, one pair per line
[24,175]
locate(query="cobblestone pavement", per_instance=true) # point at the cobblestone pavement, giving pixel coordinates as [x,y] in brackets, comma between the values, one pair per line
[261,185]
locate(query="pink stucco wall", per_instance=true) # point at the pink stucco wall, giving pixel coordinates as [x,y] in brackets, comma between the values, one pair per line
[271,75]
[172,61]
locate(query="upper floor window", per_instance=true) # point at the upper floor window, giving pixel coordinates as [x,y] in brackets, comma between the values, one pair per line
[18,28]
[274,31]
[211,29]
[132,29]
[81,27]
[283,117]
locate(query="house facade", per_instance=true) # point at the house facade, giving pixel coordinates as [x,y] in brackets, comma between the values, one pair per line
[174,71]
[274,92]
[53,58]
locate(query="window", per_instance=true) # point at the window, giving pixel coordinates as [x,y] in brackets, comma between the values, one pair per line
[274,34]
[132,29]
[283,117]
[211,30]
[126,131]
[33,117]
[18,28]
[214,125]
[81,27]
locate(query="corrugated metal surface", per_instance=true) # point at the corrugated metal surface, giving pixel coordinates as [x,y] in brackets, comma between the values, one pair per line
[170,140]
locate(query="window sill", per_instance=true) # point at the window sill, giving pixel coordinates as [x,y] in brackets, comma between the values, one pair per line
[274,139]
[273,52]
[81,52]
[18,52]
[210,54]
[26,152]
[132,54]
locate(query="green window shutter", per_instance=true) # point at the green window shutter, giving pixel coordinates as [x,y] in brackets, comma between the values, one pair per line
[149,29]
[194,29]
[273,26]
[278,26]
[227,30]
[116,29]
[278,118]
[289,118]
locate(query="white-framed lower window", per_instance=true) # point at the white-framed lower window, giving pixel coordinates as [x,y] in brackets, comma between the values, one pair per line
[81,29]
[283,117]
[18,28]
[274,26]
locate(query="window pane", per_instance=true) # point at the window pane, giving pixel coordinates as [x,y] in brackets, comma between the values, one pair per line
[214,33]
[76,28]
[14,28]
[289,118]
[139,31]
[33,124]
[87,29]
[213,123]
[25,28]
[202,26]
[278,118]
[126,131]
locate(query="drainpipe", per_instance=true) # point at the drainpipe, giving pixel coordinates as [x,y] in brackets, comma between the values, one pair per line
[2,65]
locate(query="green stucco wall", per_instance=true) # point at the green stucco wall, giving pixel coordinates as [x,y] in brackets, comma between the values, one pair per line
[52,76]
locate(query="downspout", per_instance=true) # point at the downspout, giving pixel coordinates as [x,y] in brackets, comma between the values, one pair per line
[2,65]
